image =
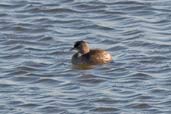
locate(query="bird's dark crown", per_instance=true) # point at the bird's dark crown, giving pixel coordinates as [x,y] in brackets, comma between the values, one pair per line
[78,43]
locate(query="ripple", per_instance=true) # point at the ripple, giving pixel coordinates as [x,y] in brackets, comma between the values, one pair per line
[90,79]
[24,79]
[52,109]
[15,102]
[141,76]
[105,109]
[140,106]
[48,81]
[29,105]
[106,101]
[118,48]
[8,5]
[89,7]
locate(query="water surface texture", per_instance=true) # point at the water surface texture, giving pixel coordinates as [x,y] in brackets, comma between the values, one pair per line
[36,76]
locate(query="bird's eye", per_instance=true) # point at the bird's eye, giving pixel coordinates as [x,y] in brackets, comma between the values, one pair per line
[78,44]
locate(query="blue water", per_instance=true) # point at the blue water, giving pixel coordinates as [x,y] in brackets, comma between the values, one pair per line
[37,77]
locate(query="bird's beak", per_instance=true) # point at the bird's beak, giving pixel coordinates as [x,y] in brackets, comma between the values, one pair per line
[72,49]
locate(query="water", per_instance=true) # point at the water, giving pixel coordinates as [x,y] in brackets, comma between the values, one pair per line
[37,76]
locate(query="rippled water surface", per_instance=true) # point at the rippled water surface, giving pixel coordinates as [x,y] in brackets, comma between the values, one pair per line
[36,75]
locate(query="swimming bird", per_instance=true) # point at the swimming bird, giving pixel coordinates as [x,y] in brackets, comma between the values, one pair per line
[87,56]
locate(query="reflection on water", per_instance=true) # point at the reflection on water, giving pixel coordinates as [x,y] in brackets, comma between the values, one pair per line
[36,72]
[83,67]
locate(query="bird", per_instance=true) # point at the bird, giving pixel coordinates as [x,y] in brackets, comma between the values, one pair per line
[87,56]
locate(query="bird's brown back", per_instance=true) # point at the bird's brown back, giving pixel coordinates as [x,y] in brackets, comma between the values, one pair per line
[97,56]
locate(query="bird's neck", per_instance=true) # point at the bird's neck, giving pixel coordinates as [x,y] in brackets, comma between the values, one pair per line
[85,51]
